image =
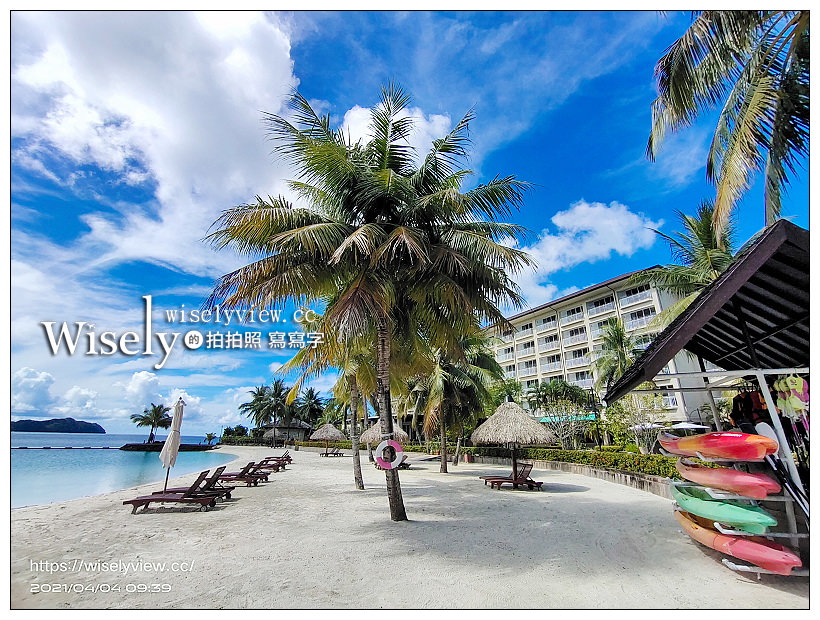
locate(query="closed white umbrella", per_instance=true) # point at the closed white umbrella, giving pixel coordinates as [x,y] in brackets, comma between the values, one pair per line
[168,454]
[688,426]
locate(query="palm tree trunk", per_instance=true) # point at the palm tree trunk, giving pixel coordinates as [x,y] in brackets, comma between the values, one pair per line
[354,432]
[397,512]
[443,430]
[458,450]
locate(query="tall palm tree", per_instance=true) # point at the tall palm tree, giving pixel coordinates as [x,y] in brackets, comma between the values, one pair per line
[156,417]
[309,406]
[619,350]
[702,256]
[393,248]
[457,385]
[260,408]
[755,66]
[549,392]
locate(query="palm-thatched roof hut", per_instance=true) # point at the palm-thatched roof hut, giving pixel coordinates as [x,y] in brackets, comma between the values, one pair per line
[327,433]
[373,435]
[511,425]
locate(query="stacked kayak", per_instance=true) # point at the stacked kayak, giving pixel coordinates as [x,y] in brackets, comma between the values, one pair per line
[756,486]
[759,551]
[737,513]
[729,446]
[698,509]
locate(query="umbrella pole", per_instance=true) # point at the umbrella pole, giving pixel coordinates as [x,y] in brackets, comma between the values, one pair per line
[167,471]
[515,463]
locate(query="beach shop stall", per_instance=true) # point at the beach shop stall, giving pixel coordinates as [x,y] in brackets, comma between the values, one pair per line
[750,331]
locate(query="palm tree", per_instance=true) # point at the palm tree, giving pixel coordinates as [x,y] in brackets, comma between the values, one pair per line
[394,249]
[564,405]
[209,437]
[702,256]
[619,350]
[755,64]
[309,406]
[259,408]
[549,392]
[155,417]
[457,385]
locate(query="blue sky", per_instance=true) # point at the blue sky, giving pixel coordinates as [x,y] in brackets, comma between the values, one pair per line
[131,132]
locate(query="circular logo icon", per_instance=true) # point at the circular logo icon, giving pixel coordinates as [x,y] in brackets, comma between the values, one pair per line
[193,340]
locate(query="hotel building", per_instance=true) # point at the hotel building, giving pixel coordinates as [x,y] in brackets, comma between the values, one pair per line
[559,340]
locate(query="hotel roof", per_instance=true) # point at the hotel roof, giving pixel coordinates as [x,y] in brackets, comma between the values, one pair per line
[562,300]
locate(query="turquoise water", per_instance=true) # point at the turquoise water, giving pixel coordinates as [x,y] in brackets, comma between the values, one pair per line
[44,476]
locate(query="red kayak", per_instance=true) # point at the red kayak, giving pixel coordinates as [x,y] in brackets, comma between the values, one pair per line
[756,486]
[759,551]
[730,446]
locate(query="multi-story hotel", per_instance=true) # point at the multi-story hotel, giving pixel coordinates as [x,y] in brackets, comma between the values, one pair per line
[559,340]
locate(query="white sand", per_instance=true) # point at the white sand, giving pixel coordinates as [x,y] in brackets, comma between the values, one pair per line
[308,539]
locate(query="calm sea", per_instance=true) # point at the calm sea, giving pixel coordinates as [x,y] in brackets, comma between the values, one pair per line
[45,476]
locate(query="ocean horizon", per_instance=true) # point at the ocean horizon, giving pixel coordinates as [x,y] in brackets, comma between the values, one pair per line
[40,476]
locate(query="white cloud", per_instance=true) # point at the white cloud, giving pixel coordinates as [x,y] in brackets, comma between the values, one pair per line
[586,233]
[143,388]
[30,391]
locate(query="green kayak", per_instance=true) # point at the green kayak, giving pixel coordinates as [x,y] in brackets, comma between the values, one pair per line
[739,514]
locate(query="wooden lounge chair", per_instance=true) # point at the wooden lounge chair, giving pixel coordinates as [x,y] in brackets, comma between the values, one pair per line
[518,480]
[331,452]
[209,486]
[271,463]
[523,471]
[250,475]
[189,496]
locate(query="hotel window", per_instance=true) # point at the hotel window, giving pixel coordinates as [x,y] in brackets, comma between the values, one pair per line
[575,313]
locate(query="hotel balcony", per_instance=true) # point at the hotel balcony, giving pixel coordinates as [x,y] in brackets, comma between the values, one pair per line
[636,297]
[596,310]
[569,340]
[577,361]
[550,366]
[524,332]
[572,318]
[584,383]
[543,347]
[510,374]
[638,323]
[504,357]
[525,352]
[506,337]
[527,372]
[546,326]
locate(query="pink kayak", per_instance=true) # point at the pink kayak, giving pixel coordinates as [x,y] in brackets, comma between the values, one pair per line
[756,486]
[759,551]
[730,446]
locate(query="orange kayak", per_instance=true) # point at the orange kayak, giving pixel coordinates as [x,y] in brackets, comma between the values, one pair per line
[756,486]
[759,551]
[730,446]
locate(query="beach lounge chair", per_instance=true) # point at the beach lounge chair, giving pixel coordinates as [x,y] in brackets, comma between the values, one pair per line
[523,471]
[331,452]
[518,480]
[189,496]
[250,475]
[272,463]
[209,486]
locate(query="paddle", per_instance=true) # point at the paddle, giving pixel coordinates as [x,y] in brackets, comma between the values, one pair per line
[800,498]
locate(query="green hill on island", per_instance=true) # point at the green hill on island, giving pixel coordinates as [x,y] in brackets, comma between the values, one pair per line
[57,425]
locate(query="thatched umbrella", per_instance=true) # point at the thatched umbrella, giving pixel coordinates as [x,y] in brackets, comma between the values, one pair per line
[374,434]
[327,433]
[511,425]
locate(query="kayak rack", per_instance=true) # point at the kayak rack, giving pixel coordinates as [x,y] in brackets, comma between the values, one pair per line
[744,568]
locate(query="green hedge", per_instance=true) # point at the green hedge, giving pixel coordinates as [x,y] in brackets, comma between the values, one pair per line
[651,464]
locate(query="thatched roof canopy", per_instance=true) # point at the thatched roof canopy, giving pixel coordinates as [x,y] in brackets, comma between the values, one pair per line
[328,432]
[510,424]
[374,434]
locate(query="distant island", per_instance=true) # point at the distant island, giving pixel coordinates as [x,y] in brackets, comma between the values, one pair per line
[58,425]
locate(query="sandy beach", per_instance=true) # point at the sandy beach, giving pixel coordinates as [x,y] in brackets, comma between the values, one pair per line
[308,539]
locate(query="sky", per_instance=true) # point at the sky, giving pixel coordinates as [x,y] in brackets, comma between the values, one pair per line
[132,132]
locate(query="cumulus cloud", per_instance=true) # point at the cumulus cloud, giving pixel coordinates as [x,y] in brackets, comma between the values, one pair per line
[143,388]
[30,391]
[585,233]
